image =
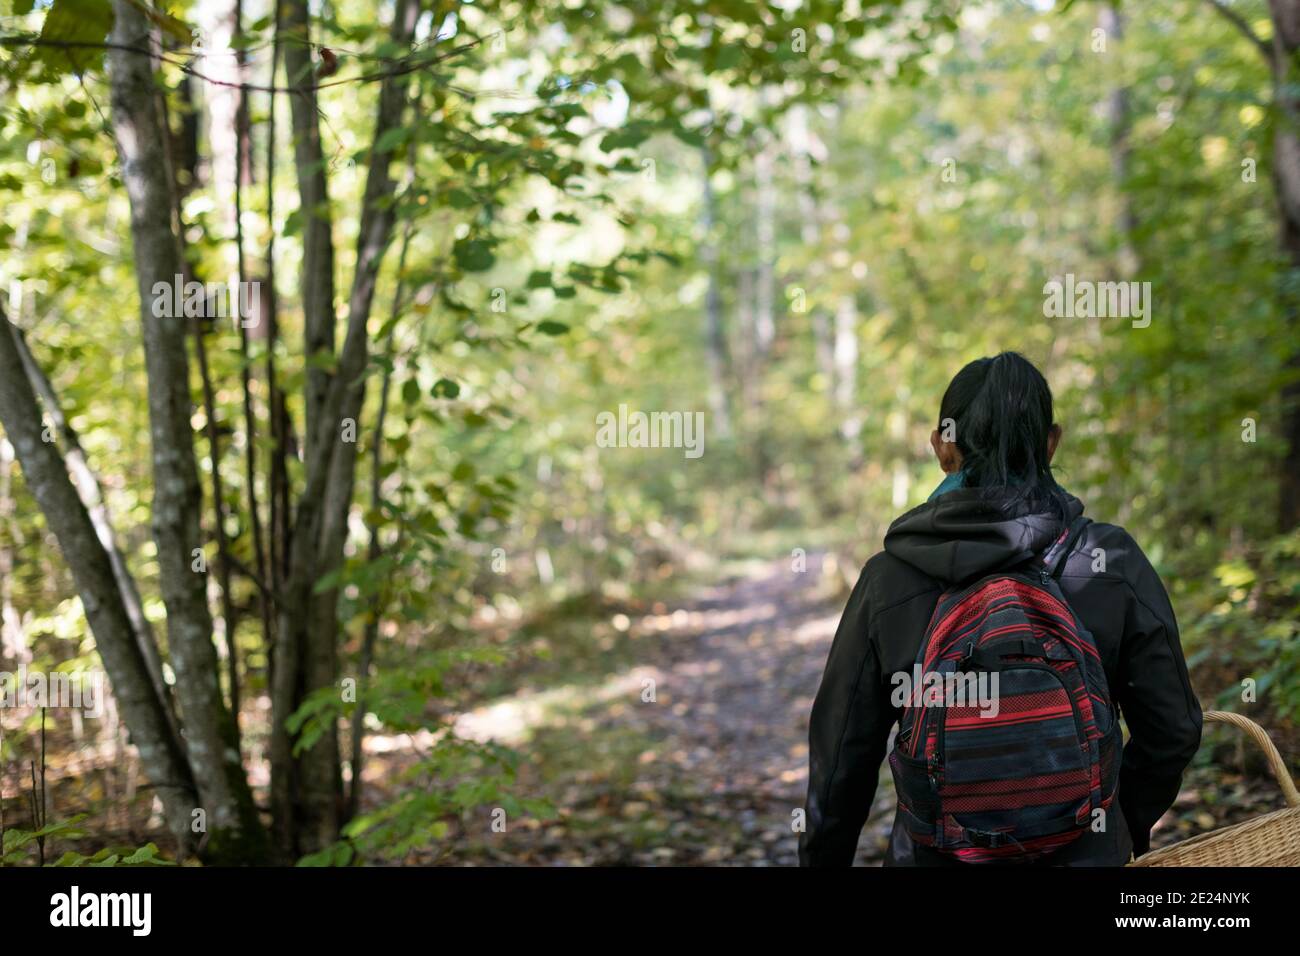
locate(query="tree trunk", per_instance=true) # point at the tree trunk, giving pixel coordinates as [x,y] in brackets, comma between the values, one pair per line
[804,145]
[715,335]
[846,371]
[234,832]
[317,278]
[303,797]
[1286,180]
[375,548]
[308,799]
[13,642]
[765,232]
[242,173]
[115,637]
[1127,260]
[1121,150]
[92,497]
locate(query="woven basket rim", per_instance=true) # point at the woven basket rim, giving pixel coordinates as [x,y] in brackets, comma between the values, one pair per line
[1286,815]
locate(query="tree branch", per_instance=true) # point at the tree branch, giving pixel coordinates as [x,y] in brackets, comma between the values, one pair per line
[1244,28]
[413,62]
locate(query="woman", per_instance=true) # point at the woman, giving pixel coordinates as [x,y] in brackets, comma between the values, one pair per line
[998,503]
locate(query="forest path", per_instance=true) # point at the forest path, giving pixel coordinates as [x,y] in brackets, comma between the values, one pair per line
[710,771]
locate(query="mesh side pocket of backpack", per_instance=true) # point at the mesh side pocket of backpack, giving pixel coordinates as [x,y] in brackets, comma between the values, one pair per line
[918,804]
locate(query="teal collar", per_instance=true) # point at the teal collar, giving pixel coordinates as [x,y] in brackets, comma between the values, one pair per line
[950,483]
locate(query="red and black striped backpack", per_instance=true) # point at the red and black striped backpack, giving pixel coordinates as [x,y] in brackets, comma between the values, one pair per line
[1008,745]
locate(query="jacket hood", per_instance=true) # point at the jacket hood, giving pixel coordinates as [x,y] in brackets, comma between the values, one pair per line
[964,533]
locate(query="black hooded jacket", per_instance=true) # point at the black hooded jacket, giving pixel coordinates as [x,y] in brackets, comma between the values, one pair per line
[955,537]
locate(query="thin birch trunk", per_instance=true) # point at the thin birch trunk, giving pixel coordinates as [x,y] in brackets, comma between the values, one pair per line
[234,831]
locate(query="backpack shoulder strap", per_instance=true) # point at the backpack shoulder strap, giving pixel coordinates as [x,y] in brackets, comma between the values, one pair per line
[1054,557]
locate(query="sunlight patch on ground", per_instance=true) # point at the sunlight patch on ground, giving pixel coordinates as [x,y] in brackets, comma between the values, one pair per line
[712,619]
[512,721]
[816,630]
[723,618]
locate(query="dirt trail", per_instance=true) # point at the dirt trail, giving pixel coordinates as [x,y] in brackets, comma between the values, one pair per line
[748,686]
[724,764]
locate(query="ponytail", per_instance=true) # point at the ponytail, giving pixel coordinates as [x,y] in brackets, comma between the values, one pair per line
[1000,412]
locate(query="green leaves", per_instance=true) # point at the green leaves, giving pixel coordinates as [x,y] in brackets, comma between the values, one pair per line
[71,30]
[19,847]
[410,391]
[458,198]
[173,26]
[630,136]
[390,139]
[474,255]
[74,31]
[144,856]
[318,711]
[337,854]
[456,779]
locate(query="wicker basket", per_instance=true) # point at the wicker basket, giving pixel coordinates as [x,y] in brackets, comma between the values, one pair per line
[1269,840]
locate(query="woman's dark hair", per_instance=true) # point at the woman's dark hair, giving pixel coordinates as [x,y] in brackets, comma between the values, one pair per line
[1001,410]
